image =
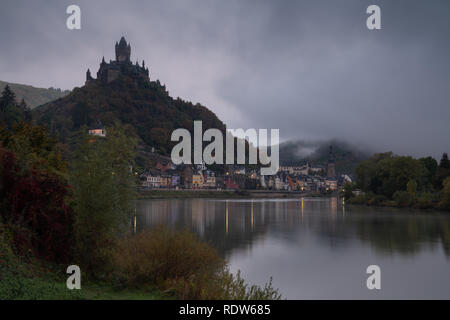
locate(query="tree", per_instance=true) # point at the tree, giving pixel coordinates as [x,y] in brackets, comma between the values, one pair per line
[443,171]
[445,162]
[445,195]
[385,174]
[431,166]
[81,115]
[347,190]
[26,111]
[8,98]
[34,193]
[34,148]
[11,112]
[104,191]
[411,188]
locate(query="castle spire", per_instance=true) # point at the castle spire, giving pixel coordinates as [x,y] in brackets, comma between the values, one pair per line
[88,76]
[123,51]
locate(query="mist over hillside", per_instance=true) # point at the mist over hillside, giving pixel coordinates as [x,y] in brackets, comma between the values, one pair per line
[347,156]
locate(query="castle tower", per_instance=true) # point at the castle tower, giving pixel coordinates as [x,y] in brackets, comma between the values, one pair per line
[123,51]
[89,78]
[331,169]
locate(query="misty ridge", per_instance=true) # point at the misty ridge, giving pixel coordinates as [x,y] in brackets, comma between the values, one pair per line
[347,155]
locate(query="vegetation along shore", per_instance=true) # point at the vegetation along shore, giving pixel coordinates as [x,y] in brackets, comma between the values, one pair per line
[56,212]
[401,181]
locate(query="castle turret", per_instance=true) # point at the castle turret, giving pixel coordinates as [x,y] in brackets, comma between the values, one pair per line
[88,77]
[123,51]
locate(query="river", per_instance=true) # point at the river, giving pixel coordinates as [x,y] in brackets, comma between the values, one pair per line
[318,248]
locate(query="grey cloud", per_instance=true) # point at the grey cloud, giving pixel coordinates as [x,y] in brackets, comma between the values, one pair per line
[310,68]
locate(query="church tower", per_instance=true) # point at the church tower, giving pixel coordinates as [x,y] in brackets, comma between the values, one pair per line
[123,51]
[331,169]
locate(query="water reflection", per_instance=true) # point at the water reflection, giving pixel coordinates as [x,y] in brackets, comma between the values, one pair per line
[233,224]
[318,248]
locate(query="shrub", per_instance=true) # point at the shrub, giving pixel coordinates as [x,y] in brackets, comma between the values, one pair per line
[403,199]
[347,191]
[26,278]
[377,200]
[33,204]
[359,199]
[425,201]
[179,263]
[445,195]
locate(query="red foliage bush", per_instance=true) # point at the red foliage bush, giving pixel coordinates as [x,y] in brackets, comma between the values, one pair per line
[33,203]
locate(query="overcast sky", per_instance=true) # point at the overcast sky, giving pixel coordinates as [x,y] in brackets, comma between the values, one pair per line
[310,68]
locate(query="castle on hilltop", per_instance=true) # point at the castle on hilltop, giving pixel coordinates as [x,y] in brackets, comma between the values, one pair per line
[121,66]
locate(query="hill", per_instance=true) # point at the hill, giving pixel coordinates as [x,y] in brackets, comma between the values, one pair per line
[146,107]
[317,152]
[34,96]
[123,92]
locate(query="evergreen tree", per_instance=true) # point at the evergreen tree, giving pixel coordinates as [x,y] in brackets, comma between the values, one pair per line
[10,111]
[8,98]
[443,171]
[445,162]
[26,111]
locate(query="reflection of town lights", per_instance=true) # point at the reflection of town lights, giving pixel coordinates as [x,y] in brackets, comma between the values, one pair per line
[303,207]
[226,218]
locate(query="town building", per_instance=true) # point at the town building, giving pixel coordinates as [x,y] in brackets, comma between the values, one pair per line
[210,181]
[151,179]
[186,176]
[97,132]
[331,169]
[197,181]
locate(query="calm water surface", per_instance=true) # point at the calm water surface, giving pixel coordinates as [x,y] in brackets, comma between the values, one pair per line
[318,248]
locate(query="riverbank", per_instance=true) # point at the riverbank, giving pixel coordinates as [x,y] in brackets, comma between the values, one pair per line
[403,200]
[223,194]
[160,264]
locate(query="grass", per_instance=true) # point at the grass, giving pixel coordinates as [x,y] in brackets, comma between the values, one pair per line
[22,288]
[25,278]
[155,265]
[107,292]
